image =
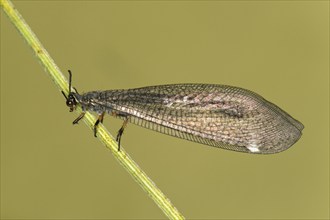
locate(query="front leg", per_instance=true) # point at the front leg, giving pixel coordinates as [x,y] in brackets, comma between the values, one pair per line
[79,118]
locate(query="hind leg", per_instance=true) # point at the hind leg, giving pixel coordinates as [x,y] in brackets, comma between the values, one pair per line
[121,131]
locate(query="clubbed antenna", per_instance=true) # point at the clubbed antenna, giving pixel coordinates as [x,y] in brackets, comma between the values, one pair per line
[70,80]
[70,99]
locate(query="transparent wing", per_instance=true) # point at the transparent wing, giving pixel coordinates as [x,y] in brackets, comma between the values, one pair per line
[217,115]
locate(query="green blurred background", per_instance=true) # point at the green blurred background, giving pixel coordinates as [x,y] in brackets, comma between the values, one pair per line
[51,169]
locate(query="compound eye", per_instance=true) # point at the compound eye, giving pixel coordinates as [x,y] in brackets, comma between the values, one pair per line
[69,103]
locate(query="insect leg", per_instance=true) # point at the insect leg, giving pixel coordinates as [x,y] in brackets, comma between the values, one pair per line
[99,119]
[79,118]
[121,131]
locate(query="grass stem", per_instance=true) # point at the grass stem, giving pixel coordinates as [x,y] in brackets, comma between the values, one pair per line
[59,79]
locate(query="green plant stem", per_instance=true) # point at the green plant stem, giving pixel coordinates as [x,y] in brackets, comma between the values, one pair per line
[124,159]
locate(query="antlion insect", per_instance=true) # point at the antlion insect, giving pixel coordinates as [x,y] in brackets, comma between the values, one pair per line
[217,115]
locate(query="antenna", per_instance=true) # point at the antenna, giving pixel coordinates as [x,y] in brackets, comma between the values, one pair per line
[70,80]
